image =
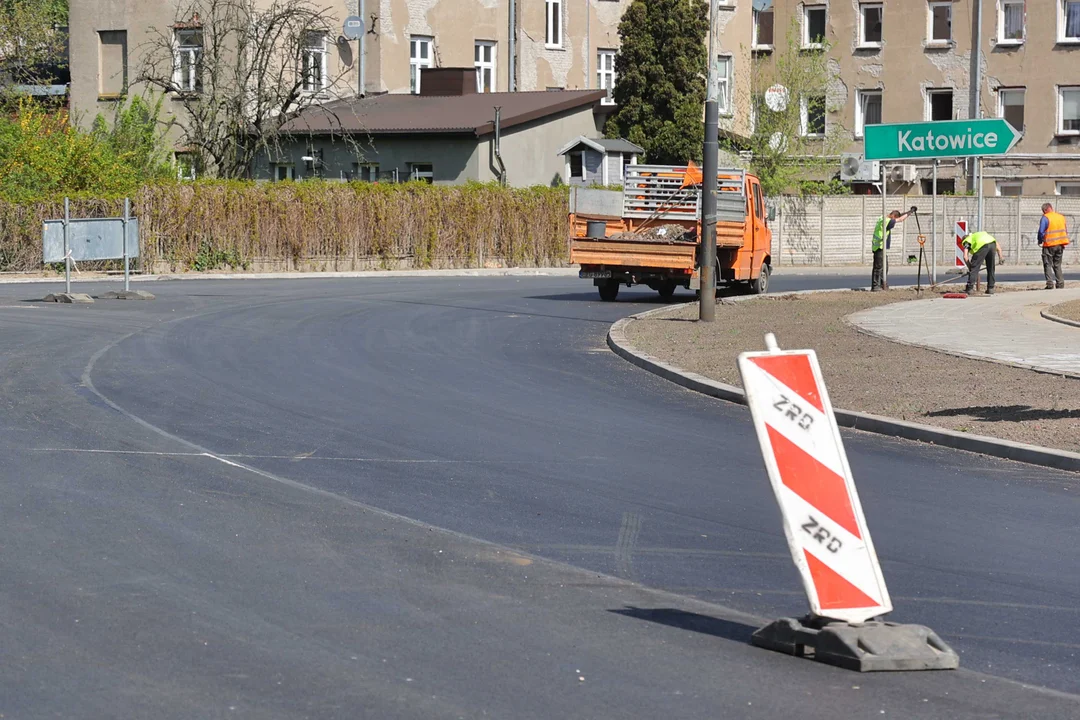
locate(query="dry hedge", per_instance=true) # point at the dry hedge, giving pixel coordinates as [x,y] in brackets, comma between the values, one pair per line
[320,226]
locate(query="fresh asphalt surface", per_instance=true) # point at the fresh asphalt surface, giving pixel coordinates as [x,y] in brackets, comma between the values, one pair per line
[445,497]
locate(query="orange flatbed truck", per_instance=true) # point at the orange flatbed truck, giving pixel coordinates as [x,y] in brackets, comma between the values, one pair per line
[614,238]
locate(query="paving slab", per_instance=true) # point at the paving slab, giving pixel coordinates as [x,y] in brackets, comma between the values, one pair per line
[1005,328]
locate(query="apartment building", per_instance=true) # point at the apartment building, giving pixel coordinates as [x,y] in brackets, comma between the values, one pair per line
[910,60]
[558,44]
[514,45]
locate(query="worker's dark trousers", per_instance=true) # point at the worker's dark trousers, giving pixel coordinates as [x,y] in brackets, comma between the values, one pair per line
[987,253]
[877,277]
[1051,257]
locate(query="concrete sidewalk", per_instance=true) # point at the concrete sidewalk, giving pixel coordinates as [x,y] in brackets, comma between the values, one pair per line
[1005,328]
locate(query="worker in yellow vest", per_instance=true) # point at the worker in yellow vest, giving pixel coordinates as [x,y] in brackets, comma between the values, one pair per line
[882,242]
[980,246]
[1053,236]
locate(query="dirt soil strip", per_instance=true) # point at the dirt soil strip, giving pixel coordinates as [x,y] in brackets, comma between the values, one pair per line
[1067,310]
[870,374]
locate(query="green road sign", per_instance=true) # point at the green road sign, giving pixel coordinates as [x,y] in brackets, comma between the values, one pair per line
[947,138]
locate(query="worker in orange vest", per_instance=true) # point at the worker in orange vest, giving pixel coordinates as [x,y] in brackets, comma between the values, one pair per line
[1053,236]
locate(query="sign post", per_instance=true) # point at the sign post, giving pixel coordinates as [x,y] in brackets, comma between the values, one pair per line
[825,527]
[88,239]
[942,139]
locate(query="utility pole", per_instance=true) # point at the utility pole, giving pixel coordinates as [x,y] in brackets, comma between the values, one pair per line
[707,302]
[975,109]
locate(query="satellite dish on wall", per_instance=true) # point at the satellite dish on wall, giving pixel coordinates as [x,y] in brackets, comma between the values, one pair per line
[776,98]
[354,27]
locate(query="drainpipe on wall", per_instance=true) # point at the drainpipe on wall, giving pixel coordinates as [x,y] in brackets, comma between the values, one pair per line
[498,146]
[512,86]
[362,65]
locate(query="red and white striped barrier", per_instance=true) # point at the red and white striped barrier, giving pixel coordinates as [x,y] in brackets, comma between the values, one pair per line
[810,476]
[960,232]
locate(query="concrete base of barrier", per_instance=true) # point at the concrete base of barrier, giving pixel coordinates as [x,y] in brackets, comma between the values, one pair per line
[127,295]
[864,647]
[82,298]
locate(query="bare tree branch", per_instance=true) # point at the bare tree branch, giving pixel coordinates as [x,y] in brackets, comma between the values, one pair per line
[253,72]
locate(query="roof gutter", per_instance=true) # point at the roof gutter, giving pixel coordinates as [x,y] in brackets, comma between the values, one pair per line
[498,142]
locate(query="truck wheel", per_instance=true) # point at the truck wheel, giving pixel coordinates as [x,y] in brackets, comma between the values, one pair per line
[760,286]
[609,291]
[666,289]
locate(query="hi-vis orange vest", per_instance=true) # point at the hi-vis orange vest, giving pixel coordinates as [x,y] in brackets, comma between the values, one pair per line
[1056,233]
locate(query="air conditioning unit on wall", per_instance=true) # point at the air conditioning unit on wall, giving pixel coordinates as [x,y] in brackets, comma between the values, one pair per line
[854,169]
[903,173]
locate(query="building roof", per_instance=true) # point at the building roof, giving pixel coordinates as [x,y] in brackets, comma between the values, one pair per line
[404,114]
[603,145]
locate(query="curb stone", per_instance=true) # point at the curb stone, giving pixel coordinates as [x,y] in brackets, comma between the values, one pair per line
[1047,315]
[1007,449]
[474,272]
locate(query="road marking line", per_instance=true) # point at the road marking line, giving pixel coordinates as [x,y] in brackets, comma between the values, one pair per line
[303,457]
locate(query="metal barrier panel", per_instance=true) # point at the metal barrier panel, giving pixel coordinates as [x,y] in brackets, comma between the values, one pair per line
[92,239]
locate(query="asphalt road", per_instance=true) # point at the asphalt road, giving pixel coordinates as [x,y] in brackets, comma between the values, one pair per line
[446,498]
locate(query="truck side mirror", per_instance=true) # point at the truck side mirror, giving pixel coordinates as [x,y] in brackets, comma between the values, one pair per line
[771,214]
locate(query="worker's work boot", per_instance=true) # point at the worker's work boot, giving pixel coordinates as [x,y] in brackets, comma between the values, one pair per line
[1049,286]
[1061,286]
[989,291]
[968,289]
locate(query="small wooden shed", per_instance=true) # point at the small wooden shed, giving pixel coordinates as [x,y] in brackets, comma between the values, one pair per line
[598,161]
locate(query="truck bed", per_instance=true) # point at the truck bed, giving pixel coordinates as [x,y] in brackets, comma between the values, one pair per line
[613,253]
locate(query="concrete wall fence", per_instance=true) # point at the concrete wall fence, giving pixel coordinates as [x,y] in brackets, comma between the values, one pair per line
[838,230]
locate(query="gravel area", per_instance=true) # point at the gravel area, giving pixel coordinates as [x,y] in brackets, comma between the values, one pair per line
[1068,310]
[871,374]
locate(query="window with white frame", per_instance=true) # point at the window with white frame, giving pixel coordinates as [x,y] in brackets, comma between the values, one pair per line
[1069,189]
[605,75]
[1011,106]
[187,59]
[283,172]
[939,104]
[939,22]
[871,17]
[186,166]
[813,26]
[867,110]
[313,62]
[763,29]
[422,172]
[1010,22]
[813,115]
[484,61]
[757,102]
[1010,188]
[576,162]
[1068,21]
[724,81]
[553,23]
[366,172]
[1068,111]
[420,57]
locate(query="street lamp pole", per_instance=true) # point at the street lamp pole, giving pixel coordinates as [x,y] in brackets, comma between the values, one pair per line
[707,303]
[975,110]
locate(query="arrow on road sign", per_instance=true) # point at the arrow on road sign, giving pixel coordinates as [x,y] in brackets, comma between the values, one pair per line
[943,139]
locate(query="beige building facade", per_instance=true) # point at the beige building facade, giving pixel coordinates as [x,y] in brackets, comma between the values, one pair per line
[898,61]
[514,45]
[558,44]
